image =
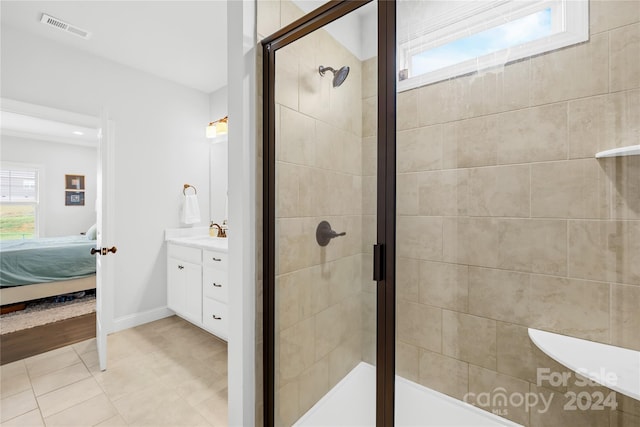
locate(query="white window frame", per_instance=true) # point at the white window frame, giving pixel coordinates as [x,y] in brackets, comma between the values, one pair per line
[569,20]
[37,203]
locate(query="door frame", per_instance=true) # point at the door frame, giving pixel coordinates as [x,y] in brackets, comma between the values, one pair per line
[84,120]
[386,196]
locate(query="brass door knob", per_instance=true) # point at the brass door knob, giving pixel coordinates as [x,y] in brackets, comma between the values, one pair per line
[112,249]
[103,251]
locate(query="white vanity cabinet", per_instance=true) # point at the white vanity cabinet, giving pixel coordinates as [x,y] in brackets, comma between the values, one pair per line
[197,286]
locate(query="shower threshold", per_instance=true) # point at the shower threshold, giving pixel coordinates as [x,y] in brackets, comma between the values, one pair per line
[352,403]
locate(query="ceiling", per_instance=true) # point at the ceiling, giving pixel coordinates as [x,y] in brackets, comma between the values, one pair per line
[181,41]
[25,126]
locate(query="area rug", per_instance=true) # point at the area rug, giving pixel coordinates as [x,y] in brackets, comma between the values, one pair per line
[46,311]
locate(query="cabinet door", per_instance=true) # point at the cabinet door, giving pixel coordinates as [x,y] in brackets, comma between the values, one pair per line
[193,292]
[184,289]
[175,285]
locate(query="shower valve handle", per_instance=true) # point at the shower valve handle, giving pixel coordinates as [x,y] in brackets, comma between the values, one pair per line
[324,233]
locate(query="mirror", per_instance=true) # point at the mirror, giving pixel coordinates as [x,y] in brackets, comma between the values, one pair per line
[218,167]
[218,161]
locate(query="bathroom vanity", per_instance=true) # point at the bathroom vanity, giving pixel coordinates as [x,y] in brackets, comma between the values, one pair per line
[197,280]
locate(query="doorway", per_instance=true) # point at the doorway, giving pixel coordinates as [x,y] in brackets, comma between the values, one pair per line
[68,225]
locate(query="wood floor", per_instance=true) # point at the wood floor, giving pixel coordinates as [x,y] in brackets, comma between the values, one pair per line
[29,342]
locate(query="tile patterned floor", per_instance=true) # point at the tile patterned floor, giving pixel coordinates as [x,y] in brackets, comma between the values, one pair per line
[164,373]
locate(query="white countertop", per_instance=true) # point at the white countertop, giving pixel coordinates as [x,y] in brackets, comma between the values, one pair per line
[197,237]
[614,367]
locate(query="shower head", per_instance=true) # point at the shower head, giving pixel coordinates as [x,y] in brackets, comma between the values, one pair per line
[339,76]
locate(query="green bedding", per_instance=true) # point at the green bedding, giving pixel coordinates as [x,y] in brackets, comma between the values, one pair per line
[45,260]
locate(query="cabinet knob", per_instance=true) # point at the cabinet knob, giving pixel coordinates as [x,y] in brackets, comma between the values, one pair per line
[215,285]
[216,259]
[216,317]
[180,267]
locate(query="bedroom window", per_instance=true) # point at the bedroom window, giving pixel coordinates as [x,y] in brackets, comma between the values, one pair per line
[18,203]
[465,37]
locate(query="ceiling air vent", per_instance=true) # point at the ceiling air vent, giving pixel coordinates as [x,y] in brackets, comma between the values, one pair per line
[61,25]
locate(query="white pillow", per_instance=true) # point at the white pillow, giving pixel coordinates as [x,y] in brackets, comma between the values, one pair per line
[91,232]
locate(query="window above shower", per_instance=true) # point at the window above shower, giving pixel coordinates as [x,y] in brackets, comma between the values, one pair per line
[439,40]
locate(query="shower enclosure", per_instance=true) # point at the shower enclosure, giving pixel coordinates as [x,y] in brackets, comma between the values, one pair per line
[323,174]
[432,197]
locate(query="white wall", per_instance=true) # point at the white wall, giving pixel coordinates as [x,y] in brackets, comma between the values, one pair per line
[56,160]
[241,30]
[219,103]
[218,108]
[159,146]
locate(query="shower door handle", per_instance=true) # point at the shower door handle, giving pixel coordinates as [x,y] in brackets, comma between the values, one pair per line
[378,258]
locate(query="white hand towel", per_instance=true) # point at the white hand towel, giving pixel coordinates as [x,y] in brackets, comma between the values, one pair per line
[191,210]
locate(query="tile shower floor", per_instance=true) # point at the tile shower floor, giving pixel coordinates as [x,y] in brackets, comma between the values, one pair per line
[167,372]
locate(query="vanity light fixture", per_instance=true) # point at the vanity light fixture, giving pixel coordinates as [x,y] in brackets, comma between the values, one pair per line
[217,129]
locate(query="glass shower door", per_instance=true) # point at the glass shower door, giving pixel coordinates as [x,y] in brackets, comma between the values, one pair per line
[325,96]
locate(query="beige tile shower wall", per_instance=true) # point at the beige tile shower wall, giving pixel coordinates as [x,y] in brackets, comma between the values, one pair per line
[507,221]
[318,177]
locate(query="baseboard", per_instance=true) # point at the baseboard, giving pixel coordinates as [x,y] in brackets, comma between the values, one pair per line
[137,319]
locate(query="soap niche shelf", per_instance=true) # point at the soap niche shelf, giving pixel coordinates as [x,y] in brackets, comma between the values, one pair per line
[614,367]
[631,150]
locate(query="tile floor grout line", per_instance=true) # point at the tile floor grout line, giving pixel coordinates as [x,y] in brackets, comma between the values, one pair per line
[69,407]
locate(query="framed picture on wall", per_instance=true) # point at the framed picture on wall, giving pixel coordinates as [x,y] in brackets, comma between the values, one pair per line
[74,182]
[74,190]
[74,198]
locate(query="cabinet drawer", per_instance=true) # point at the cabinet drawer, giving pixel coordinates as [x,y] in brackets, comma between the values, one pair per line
[184,253]
[215,317]
[219,260]
[214,284]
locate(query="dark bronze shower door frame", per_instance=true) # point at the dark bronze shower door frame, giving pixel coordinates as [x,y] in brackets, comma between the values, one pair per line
[384,251]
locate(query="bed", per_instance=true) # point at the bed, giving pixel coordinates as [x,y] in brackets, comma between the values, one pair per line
[39,268]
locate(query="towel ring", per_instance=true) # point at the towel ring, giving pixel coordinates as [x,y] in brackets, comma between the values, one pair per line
[184,190]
